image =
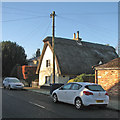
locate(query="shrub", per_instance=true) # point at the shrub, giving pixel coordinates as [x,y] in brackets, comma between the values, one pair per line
[84,78]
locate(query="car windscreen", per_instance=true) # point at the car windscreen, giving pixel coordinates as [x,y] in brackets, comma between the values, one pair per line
[14,80]
[94,87]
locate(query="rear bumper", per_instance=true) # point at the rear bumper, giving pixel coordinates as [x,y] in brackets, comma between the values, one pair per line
[91,101]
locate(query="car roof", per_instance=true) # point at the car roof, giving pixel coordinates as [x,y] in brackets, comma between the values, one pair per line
[85,83]
[11,78]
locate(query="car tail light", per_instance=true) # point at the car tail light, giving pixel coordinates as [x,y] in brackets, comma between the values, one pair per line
[87,93]
[106,94]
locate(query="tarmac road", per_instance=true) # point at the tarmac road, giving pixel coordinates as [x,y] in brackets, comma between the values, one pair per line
[26,104]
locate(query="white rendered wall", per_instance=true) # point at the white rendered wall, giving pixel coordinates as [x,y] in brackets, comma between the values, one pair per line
[47,71]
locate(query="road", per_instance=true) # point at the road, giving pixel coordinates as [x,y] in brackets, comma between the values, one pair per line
[26,104]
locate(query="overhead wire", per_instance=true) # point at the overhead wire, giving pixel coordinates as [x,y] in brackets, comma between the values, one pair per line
[46,30]
[71,19]
[88,13]
[17,13]
[37,29]
[27,18]
[21,10]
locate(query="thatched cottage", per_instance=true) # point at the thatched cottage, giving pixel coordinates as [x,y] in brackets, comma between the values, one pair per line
[72,57]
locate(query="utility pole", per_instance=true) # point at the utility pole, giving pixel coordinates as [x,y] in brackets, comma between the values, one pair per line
[52,15]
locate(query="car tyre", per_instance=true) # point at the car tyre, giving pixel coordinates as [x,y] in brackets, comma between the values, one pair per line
[9,87]
[78,103]
[55,99]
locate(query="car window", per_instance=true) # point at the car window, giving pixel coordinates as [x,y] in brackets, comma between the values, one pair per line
[94,87]
[67,87]
[6,80]
[76,87]
[14,80]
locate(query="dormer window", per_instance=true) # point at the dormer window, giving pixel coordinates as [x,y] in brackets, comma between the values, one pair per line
[47,63]
[100,62]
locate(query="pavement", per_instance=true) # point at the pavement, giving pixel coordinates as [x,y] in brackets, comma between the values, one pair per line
[114,103]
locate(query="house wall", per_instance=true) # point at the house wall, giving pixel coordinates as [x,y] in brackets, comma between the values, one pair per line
[63,79]
[47,71]
[108,79]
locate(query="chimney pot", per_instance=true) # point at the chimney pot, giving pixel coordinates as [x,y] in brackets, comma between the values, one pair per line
[77,34]
[74,36]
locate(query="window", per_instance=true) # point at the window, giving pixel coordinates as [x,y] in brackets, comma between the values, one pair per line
[47,63]
[76,87]
[94,88]
[67,87]
[47,79]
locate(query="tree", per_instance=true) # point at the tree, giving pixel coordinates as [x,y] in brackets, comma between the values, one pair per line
[12,55]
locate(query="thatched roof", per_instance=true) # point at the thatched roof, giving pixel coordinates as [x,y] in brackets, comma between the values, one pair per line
[113,64]
[74,58]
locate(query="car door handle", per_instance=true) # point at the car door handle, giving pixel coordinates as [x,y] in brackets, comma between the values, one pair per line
[65,92]
[74,92]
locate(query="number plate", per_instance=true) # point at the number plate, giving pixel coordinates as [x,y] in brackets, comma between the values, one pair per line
[99,101]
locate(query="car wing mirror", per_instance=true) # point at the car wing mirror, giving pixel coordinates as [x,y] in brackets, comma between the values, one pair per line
[61,88]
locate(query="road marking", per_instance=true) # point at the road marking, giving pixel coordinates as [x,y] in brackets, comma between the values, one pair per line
[37,105]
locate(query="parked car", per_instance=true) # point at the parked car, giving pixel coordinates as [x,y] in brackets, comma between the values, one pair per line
[81,94]
[12,83]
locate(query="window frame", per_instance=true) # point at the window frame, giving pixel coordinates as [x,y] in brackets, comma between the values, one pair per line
[80,86]
[66,85]
[48,63]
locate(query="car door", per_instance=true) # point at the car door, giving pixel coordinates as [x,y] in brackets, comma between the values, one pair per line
[73,92]
[62,92]
[6,82]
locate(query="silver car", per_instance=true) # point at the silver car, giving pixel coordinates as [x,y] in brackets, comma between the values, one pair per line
[81,94]
[12,83]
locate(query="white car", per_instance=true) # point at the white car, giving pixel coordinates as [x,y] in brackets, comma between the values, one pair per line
[12,83]
[81,94]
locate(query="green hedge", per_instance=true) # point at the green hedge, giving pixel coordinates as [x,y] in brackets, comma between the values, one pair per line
[84,78]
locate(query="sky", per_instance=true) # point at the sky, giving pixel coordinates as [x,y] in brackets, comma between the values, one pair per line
[28,23]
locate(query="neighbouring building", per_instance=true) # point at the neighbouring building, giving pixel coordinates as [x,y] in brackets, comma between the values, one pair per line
[35,60]
[27,73]
[72,57]
[108,75]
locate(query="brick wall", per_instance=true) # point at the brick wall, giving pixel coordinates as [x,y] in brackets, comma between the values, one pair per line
[24,71]
[109,80]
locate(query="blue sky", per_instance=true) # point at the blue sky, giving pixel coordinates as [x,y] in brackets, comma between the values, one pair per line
[28,23]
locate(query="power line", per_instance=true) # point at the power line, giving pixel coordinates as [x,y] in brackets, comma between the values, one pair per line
[95,28]
[19,9]
[47,28]
[28,18]
[89,13]
[17,13]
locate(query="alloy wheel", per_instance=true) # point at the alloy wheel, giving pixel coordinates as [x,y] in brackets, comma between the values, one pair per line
[78,103]
[55,98]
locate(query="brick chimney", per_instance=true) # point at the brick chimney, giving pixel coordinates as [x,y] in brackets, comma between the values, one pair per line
[74,36]
[77,39]
[78,35]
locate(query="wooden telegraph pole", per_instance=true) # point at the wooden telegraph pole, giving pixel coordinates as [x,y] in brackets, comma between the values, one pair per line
[52,15]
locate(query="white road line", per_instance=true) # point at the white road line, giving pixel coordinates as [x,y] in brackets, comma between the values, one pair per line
[37,105]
